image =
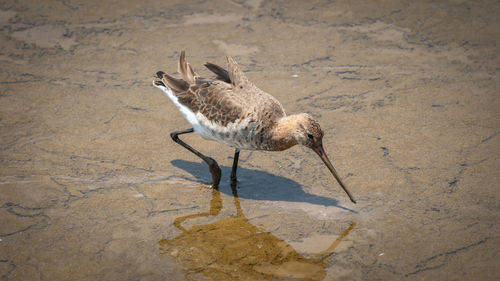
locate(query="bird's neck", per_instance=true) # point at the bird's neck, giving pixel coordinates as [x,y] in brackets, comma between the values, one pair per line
[282,133]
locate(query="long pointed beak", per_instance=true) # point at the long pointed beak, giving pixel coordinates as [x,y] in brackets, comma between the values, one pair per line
[321,153]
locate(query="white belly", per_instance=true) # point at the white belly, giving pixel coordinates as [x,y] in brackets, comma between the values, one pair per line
[238,134]
[230,135]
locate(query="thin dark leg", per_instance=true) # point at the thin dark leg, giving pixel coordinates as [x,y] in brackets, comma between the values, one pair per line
[212,164]
[235,165]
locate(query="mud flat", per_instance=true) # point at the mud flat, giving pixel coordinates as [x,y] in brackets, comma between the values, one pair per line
[92,187]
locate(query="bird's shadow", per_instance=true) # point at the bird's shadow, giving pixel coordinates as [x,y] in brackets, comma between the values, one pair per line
[258,185]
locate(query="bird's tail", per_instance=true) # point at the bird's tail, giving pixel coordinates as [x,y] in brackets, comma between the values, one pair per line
[177,85]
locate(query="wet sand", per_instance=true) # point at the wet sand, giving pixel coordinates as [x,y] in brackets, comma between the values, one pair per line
[93,188]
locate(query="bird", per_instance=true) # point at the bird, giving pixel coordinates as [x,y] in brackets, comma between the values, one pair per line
[231,110]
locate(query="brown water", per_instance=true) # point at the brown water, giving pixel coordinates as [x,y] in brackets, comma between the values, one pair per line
[93,188]
[234,249]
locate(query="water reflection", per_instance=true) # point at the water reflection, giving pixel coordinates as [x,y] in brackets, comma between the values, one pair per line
[234,249]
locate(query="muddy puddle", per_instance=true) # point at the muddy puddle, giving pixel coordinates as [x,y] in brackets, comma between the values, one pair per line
[93,188]
[232,248]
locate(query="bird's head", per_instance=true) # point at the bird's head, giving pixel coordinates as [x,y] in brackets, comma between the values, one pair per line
[308,133]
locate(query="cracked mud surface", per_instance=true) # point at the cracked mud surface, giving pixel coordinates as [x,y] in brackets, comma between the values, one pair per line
[93,188]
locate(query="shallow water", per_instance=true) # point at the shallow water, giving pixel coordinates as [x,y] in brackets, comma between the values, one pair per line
[234,248]
[93,188]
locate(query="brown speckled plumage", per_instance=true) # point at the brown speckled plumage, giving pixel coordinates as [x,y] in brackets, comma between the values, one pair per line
[232,110]
[229,99]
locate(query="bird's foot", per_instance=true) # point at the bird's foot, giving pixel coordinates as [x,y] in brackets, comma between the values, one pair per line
[216,173]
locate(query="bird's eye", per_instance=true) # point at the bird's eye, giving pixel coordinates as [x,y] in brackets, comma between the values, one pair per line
[311,137]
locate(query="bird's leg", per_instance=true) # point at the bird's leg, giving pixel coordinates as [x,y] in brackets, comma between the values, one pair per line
[212,164]
[235,165]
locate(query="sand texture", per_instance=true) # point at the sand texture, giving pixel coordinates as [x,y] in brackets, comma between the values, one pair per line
[93,188]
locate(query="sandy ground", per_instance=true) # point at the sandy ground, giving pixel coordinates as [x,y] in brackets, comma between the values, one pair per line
[93,188]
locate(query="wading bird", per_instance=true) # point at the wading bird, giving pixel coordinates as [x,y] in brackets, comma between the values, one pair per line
[232,110]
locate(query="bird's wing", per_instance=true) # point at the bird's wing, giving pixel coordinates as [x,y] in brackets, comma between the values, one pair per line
[263,103]
[216,101]
[221,73]
[237,77]
[223,100]
[185,69]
